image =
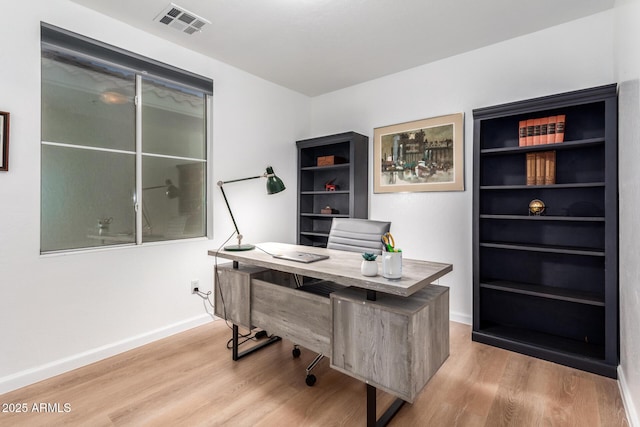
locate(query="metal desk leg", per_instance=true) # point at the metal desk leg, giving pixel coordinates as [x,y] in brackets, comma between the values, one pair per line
[371,409]
[236,355]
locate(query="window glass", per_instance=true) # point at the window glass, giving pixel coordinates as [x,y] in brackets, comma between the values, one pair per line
[173,198]
[173,120]
[85,202]
[87,103]
[95,135]
[173,146]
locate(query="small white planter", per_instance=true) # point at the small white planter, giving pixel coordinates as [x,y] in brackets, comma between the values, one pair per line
[369,268]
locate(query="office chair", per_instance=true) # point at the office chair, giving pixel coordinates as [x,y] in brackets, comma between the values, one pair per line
[346,234]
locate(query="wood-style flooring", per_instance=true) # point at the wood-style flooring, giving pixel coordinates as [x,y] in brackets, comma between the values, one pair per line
[189,379]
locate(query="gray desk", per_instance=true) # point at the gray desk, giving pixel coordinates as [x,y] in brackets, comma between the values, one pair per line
[390,334]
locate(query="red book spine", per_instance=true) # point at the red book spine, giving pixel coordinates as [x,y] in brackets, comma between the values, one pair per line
[536,131]
[522,133]
[560,124]
[530,132]
[544,124]
[551,130]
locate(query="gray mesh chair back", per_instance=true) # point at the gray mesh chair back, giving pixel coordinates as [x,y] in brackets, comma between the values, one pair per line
[357,235]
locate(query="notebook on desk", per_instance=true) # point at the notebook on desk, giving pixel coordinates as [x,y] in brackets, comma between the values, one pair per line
[305,257]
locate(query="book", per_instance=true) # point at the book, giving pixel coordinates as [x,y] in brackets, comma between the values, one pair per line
[536,131]
[551,130]
[560,124]
[541,159]
[550,167]
[544,124]
[530,132]
[522,133]
[531,168]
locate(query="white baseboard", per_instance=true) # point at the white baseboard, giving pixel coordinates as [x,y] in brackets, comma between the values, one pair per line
[57,367]
[460,318]
[632,411]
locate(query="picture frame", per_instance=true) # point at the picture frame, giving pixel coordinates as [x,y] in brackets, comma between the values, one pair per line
[4,141]
[422,155]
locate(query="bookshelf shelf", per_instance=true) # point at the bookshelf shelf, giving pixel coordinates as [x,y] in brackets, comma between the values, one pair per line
[544,218]
[545,292]
[546,187]
[539,248]
[567,145]
[349,175]
[547,285]
[314,215]
[327,167]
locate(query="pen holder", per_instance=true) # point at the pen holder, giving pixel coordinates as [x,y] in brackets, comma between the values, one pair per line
[392,265]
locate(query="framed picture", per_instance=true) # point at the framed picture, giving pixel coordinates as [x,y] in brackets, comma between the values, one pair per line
[424,155]
[4,141]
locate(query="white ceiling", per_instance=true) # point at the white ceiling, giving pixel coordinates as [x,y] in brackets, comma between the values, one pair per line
[318,46]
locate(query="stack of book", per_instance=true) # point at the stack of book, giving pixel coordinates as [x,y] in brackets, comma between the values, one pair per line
[546,130]
[541,168]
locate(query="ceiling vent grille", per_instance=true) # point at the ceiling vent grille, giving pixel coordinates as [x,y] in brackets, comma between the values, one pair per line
[181,19]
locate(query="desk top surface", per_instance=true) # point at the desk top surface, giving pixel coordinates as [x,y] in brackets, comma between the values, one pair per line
[341,267]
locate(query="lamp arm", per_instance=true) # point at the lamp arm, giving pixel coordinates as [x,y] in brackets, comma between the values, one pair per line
[221,183]
[224,196]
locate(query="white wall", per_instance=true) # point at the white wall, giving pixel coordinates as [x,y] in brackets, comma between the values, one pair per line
[627,37]
[437,226]
[59,312]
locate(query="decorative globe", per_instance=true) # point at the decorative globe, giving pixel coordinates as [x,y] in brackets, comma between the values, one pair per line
[536,206]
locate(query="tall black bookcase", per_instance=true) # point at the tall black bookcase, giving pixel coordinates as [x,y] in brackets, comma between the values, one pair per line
[342,161]
[547,285]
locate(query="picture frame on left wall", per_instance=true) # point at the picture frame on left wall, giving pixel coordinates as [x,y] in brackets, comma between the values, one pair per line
[4,141]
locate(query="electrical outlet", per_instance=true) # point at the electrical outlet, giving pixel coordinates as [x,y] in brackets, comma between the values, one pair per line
[195,285]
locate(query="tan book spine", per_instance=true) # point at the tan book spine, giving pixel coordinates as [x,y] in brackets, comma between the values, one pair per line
[522,133]
[550,167]
[530,132]
[560,125]
[531,169]
[540,168]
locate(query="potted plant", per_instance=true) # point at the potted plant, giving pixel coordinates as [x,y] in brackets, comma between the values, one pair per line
[369,266]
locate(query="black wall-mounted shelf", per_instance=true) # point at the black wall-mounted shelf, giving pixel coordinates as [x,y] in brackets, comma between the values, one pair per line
[547,285]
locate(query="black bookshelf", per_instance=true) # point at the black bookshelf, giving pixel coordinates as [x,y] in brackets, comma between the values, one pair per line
[547,285]
[349,174]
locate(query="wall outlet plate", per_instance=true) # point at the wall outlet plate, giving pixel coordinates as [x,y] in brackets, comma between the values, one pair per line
[195,285]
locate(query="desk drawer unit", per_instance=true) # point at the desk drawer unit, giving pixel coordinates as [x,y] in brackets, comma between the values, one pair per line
[267,299]
[394,343]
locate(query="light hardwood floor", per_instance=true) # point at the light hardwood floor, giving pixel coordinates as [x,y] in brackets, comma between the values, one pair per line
[190,380]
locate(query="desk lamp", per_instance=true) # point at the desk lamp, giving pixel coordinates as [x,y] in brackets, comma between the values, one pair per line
[274,185]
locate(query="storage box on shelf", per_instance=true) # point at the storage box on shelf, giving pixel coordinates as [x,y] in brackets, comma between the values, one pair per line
[547,285]
[332,182]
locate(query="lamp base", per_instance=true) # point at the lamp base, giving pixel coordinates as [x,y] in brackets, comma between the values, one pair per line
[237,248]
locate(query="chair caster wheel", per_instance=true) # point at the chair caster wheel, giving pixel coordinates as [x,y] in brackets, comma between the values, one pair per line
[310,380]
[295,352]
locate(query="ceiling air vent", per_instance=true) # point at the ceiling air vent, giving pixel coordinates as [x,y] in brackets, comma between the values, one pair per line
[181,19]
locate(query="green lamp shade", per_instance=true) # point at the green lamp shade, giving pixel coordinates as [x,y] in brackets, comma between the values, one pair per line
[274,184]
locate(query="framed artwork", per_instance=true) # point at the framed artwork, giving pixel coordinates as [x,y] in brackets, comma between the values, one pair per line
[4,141]
[423,155]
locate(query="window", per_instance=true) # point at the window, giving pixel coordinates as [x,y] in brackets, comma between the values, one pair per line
[124,147]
